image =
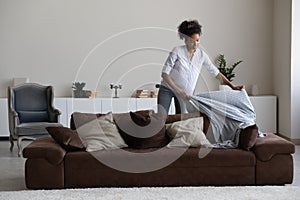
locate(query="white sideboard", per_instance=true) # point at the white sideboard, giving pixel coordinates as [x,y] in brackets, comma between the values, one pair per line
[265,108]
[61,105]
[4,130]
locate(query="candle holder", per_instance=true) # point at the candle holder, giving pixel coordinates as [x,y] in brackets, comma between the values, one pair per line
[115,87]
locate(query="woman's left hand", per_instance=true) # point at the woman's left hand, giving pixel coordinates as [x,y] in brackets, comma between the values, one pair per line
[239,87]
[223,79]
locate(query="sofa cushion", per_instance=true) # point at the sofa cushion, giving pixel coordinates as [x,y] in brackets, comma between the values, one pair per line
[248,137]
[101,133]
[219,167]
[270,145]
[67,138]
[216,158]
[33,116]
[79,118]
[141,117]
[142,129]
[179,117]
[45,148]
[187,133]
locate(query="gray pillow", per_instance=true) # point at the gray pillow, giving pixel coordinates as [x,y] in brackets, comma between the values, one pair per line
[101,134]
[187,133]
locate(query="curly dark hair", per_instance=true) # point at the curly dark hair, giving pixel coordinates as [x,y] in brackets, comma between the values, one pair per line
[188,28]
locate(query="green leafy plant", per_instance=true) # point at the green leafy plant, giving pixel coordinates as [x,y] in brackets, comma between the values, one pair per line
[228,72]
[78,90]
[78,86]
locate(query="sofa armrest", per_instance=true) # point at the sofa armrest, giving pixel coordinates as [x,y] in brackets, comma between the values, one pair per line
[267,147]
[46,148]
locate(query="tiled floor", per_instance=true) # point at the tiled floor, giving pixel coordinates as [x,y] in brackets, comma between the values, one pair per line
[12,168]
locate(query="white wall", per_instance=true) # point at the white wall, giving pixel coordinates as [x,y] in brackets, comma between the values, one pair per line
[58,42]
[295,71]
[286,66]
[282,64]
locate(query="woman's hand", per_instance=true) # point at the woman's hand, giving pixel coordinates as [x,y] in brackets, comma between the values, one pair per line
[183,95]
[239,87]
[174,87]
[223,79]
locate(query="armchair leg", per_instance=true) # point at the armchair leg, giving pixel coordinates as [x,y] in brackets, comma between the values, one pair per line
[11,140]
[19,146]
[19,143]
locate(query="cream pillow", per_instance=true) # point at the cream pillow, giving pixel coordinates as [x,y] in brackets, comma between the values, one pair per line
[101,133]
[187,133]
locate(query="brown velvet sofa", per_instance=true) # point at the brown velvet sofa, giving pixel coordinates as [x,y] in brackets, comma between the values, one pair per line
[268,161]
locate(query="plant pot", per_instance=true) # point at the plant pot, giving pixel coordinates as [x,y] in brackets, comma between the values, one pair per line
[81,93]
[224,87]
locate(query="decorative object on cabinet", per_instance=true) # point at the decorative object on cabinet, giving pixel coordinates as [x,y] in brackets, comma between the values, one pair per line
[93,94]
[116,87]
[153,93]
[30,111]
[142,94]
[78,90]
[254,90]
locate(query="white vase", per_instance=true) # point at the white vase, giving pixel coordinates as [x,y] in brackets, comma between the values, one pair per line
[254,90]
[224,87]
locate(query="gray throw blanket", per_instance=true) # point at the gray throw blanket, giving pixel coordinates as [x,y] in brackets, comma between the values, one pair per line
[229,112]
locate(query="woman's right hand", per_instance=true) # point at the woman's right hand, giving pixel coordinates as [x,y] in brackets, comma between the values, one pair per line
[183,95]
[172,85]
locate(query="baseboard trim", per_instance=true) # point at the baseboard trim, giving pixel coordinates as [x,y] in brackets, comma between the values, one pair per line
[295,141]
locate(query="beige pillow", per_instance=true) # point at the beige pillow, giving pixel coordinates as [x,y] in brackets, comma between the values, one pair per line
[187,133]
[101,133]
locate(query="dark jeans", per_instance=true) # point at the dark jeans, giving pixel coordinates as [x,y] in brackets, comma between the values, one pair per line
[164,99]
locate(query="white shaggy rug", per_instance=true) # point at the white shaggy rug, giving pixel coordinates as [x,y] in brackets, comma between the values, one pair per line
[158,193]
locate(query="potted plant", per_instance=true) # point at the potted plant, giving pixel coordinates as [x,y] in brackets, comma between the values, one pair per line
[228,72]
[78,90]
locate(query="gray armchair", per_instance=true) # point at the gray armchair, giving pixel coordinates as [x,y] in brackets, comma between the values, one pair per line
[30,111]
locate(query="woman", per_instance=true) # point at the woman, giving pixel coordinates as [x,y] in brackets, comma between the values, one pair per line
[182,68]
